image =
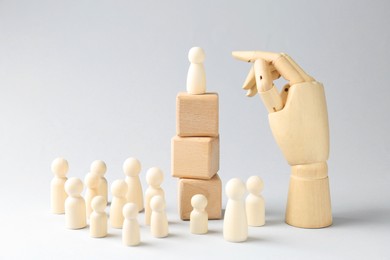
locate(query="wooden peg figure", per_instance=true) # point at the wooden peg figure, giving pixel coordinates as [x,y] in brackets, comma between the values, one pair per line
[254,203]
[98,218]
[298,119]
[159,221]
[235,225]
[199,217]
[154,178]
[92,183]
[99,167]
[130,232]
[75,211]
[57,186]
[132,169]
[118,190]
[196,77]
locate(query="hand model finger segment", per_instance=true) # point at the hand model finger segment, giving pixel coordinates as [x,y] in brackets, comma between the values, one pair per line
[263,75]
[250,80]
[252,92]
[303,74]
[251,56]
[282,63]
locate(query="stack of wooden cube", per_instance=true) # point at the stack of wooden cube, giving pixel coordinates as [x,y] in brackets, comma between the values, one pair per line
[195,152]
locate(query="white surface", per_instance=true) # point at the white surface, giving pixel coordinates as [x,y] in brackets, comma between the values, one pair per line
[94,80]
[362,236]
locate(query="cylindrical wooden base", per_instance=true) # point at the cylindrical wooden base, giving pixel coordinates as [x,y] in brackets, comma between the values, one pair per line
[308,204]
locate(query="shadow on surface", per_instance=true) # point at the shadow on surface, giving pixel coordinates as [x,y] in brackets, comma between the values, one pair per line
[212,232]
[143,244]
[110,235]
[179,222]
[274,222]
[223,213]
[361,217]
[174,235]
[252,239]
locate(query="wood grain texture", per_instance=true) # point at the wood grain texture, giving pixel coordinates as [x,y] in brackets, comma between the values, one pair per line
[211,189]
[308,204]
[301,127]
[195,157]
[302,133]
[197,115]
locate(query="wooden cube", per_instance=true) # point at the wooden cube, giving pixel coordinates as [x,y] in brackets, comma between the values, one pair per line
[197,115]
[195,157]
[212,189]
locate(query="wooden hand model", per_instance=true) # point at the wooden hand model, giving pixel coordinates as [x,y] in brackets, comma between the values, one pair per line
[299,122]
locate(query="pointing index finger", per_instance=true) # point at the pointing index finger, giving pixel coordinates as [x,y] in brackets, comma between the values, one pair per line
[251,56]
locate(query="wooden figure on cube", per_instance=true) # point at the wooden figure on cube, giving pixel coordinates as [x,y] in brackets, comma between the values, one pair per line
[196,77]
[195,148]
[197,111]
[299,122]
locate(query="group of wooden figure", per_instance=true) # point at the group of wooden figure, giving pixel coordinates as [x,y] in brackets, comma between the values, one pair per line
[127,202]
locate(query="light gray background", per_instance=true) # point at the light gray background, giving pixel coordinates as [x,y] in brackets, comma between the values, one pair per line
[97,80]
